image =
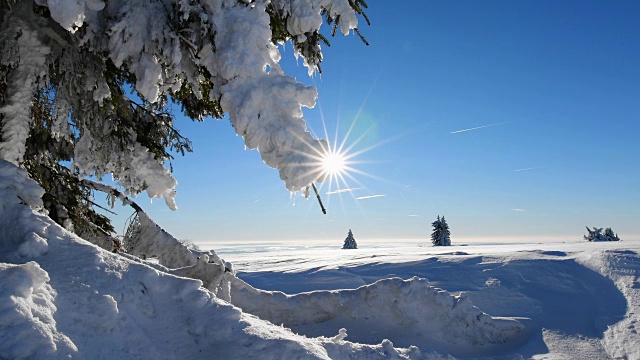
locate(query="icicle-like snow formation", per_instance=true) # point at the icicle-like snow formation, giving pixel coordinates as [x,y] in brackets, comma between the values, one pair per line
[29,59]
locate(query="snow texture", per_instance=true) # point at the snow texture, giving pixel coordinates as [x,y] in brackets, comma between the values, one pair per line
[27,314]
[140,171]
[621,266]
[16,190]
[22,82]
[305,17]
[578,300]
[424,314]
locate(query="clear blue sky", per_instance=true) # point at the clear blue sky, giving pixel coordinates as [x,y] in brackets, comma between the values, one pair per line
[558,80]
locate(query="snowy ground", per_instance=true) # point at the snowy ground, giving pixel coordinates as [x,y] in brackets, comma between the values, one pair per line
[63,297]
[578,300]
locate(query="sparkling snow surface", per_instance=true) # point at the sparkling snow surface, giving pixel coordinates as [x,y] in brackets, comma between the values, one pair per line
[578,300]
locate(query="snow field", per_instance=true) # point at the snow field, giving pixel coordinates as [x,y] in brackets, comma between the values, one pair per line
[577,300]
[70,298]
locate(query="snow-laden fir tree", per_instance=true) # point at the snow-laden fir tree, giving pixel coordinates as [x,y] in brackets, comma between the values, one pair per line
[597,235]
[350,241]
[86,88]
[441,236]
[610,235]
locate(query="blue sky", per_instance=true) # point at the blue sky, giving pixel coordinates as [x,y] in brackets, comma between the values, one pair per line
[557,80]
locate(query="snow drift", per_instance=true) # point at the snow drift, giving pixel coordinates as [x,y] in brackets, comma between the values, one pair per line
[407,312]
[71,298]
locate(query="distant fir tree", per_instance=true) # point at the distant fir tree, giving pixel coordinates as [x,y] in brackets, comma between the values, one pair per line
[610,235]
[350,242]
[441,235]
[597,235]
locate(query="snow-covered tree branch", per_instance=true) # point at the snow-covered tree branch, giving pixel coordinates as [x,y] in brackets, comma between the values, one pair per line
[68,68]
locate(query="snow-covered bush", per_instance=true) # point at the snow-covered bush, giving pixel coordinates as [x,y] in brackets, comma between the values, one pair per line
[597,235]
[350,241]
[441,235]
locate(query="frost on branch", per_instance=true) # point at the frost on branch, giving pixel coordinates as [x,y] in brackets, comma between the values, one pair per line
[91,83]
[27,55]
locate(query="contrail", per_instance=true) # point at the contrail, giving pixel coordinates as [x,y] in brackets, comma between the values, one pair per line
[530,168]
[341,191]
[479,127]
[369,197]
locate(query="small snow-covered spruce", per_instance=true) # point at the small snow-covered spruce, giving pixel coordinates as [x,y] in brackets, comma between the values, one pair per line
[350,241]
[86,88]
[441,235]
[597,235]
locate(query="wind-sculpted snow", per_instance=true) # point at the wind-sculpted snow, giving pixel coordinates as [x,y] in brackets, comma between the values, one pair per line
[407,312]
[16,189]
[623,267]
[26,314]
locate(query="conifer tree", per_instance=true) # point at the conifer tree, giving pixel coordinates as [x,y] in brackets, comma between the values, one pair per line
[441,234]
[437,231]
[350,241]
[87,87]
[446,234]
[610,235]
[597,235]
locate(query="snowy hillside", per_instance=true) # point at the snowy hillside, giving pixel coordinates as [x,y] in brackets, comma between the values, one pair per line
[63,297]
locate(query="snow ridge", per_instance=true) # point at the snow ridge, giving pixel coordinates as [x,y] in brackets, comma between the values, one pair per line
[378,311]
[27,314]
[621,266]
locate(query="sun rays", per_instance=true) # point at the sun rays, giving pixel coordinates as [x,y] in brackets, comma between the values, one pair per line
[335,164]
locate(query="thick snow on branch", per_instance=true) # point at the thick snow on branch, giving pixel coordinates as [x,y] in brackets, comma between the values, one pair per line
[306,16]
[227,43]
[30,61]
[135,169]
[265,108]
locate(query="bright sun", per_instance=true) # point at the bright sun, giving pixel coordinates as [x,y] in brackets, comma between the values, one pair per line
[334,163]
